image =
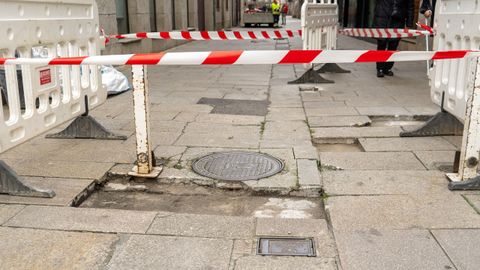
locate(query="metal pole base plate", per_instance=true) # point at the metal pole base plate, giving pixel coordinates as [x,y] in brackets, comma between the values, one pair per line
[442,124]
[332,68]
[10,183]
[153,174]
[472,184]
[311,76]
[86,127]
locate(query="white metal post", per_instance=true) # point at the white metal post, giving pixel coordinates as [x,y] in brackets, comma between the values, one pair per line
[470,152]
[144,167]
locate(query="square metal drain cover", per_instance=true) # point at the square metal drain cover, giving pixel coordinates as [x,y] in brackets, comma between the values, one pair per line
[273,246]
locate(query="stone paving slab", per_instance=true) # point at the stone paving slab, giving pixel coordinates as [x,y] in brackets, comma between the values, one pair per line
[65,189]
[355,132]
[383,111]
[308,174]
[426,211]
[7,211]
[461,246]
[230,119]
[83,219]
[219,140]
[338,121]
[40,249]
[305,152]
[287,227]
[231,130]
[323,104]
[60,169]
[371,161]
[433,159]
[380,249]
[455,140]
[161,252]
[284,263]
[332,111]
[405,144]
[207,226]
[474,200]
[285,114]
[383,182]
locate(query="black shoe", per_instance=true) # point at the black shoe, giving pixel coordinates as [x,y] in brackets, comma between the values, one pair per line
[380,74]
[388,73]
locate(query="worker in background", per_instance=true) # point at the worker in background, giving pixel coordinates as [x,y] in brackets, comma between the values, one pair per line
[391,14]
[427,8]
[284,13]
[276,12]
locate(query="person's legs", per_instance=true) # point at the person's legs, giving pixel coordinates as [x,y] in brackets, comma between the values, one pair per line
[381,46]
[391,46]
[284,19]
[276,19]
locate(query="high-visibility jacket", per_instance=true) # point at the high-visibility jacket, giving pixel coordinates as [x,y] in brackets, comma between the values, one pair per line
[276,9]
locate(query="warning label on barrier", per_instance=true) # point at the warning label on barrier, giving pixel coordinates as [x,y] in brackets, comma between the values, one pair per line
[45,76]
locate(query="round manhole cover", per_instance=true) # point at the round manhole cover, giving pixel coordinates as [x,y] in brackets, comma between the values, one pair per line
[237,166]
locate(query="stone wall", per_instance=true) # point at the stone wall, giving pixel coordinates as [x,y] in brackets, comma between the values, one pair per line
[169,15]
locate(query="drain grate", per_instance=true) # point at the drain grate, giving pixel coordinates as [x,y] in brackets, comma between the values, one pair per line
[237,166]
[286,247]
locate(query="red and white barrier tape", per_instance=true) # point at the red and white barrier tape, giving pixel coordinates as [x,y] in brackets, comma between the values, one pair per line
[213,35]
[247,58]
[383,33]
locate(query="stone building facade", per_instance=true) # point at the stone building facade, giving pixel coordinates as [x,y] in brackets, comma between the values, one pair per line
[130,16]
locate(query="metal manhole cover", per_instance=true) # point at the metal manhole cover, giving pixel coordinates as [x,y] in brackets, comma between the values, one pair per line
[237,166]
[286,247]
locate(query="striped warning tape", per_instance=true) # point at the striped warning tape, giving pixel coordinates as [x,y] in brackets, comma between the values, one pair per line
[212,35]
[383,33]
[247,57]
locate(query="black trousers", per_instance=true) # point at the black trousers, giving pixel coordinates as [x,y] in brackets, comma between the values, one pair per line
[390,45]
[276,18]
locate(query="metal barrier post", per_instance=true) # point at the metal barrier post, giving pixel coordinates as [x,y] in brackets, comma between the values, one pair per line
[467,177]
[145,158]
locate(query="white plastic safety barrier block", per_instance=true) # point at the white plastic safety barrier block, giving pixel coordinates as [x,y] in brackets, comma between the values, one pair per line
[457,23]
[320,25]
[47,96]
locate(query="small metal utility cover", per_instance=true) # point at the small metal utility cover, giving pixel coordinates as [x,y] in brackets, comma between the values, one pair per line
[237,166]
[286,247]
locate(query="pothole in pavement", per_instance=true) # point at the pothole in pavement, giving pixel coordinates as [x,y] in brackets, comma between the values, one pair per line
[193,199]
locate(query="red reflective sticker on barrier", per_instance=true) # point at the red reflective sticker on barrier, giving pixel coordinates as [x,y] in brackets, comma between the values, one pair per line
[290,33]
[142,35]
[298,56]
[375,56]
[238,35]
[449,55]
[165,35]
[222,58]
[277,34]
[265,34]
[222,35]
[186,35]
[45,76]
[205,35]
[145,59]
[67,60]
[252,35]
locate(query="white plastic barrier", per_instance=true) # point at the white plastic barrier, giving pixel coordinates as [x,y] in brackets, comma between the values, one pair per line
[457,23]
[320,25]
[52,94]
